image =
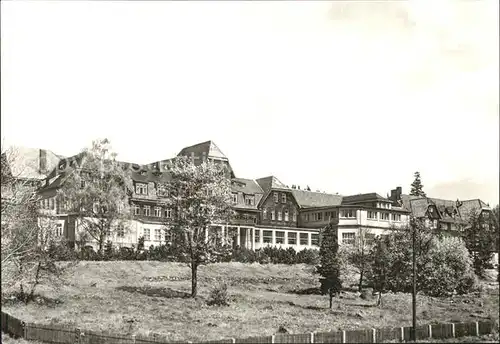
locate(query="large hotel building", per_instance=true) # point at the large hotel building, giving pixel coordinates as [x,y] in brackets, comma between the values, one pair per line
[267,211]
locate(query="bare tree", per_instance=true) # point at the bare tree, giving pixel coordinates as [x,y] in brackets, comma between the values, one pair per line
[26,233]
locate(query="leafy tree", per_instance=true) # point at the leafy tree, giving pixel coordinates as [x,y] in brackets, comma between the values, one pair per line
[358,255]
[97,191]
[417,187]
[201,196]
[443,263]
[330,264]
[481,238]
[380,264]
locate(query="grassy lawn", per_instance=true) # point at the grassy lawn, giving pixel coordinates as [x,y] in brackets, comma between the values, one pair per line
[136,297]
[7,340]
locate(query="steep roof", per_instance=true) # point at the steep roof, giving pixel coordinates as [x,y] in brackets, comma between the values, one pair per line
[419,206]
[271,182]
[309,199]
[363,198]
[467,206]
[247,186]
[406,199]
[209,148]
[25,162]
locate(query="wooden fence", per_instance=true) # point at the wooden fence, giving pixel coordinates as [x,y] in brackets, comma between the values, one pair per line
[64,334]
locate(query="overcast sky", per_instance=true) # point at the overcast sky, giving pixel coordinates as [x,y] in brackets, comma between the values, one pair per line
[347,97]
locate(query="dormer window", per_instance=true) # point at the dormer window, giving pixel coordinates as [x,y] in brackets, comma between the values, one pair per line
[264,214]
[276,197]
[141,189]
[249,199]
[283,198]
[161,190]
[235,198]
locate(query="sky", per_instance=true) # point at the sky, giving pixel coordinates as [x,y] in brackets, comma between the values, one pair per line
[345,96]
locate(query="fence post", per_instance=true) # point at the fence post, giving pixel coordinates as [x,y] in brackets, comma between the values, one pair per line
[343,336]
[233,340]
[23,326]
[133,338]
[453,329]
[312,337]
[430,331]
[402,334]
[374,335]
[272,338]
[77,336]
[477,329]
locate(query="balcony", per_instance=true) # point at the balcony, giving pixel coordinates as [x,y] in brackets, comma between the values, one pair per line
[244,219]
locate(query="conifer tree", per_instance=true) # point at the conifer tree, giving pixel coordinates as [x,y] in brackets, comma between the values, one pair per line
[417,187]
[330,264]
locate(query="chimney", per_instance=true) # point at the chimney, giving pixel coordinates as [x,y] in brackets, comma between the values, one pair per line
[396,194]
[43,161]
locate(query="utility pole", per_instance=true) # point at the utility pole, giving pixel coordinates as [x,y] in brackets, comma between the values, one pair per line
[413,336]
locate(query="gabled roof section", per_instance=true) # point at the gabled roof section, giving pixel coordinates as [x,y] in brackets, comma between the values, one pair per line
[468,206]
[363,198]
[247,186]
[309,199]
[406,199]
[209,148]
[26,163]
[271,182]
[419,206]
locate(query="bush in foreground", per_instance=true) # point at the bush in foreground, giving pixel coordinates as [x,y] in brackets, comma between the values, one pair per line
[446,267]
[219,296]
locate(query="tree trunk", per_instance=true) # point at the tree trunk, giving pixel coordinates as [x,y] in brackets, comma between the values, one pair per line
[101,244]
[331,298]
[379,299]
[360,286]
[194,280]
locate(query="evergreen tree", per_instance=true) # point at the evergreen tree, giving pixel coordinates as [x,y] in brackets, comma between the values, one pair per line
[417,187]
[330,264]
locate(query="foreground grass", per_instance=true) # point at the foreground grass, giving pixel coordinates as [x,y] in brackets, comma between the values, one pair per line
[133,297]
[8,340]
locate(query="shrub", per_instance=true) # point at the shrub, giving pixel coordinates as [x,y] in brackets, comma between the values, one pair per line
[108,250]
[307,256]
[125,253]
[244,255]
[444,269]
[219,296]
[88,253]
[61,251]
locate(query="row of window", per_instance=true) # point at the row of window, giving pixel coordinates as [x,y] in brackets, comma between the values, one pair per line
[303,238]
[277,197]
[158,234]
[348,214]
[48,204]
[383,216]
[142,189]
[158,211]
[249,199]
[279,215]
[385,205]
